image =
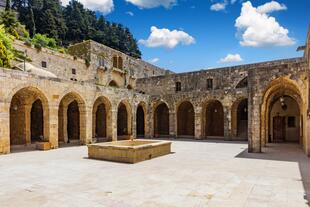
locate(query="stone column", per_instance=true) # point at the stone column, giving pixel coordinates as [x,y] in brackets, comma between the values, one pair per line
[227,122]
[134,121]
[172,124]
[5,128]
[150,122]
[114,123]
[198,122]
[27,129]
[53,126]
[254,125]
[86,125]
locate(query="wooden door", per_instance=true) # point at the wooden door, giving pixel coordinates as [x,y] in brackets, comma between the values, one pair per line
[278,129]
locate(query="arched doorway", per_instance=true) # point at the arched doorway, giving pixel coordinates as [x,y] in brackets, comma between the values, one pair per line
[73,126]
[113,84]
[37,121]
[102,120]
[282,114]
[284,120]
[214,119]
[123,121]
[242,119]
[71,119]
[239,119]
[140,118]
[161,120]
[28,117]
[186,119]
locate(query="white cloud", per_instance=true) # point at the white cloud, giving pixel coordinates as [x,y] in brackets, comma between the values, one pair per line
[270,7]
[130,13]
[154,60]
[231,58]
[166,38]
[259,29]
[218,6]
[104,6]
[147,4]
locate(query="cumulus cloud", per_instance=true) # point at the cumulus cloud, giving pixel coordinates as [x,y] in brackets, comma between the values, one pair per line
[154,60]
[166,38]
[270,7]
[231,58]
[130,13]
[218,6]
[259,29]
[104,6]
[147,4]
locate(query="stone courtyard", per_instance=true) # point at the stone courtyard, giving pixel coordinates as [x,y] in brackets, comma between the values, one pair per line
[198,173]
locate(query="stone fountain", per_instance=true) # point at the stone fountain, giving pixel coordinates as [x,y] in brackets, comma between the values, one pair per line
[129,151]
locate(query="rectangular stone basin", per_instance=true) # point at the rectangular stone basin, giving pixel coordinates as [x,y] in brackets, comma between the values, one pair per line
[128,151]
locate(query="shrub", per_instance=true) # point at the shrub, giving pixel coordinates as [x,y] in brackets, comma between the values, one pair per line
[6,48]
[41,41]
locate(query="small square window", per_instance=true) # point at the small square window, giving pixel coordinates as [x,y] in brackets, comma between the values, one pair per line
[178,86]
[209,83]
[291,122]
[101,61]
[73,71]
[44,64]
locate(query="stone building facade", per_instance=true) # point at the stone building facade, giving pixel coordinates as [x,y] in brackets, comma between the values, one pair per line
[100,94]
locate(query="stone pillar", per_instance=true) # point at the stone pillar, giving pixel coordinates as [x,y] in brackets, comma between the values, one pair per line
[172,124]
[227,122]
[53,126]
[198,122]
[134,121]
[114,123]
[254,125]
[5,128]
[150,122]
[86,125]
[27,129]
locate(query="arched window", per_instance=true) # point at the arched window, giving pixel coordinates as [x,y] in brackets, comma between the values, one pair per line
[243,83]
[120,63]
[114,62]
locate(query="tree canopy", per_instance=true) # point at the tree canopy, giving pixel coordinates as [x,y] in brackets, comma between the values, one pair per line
[73,23]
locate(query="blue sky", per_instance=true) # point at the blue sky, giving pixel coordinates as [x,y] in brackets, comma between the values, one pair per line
[204,37]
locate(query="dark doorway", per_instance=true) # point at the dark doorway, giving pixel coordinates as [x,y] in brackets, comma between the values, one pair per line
[36,123]
[186,119]
[101,122]
[161,120]
[122,120]
[214,119]
[73,125]
[278,129]
[140,122]
[242,119]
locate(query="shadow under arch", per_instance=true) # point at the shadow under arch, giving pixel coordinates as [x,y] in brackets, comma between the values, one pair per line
[277,89]
[72,119]
[212,119]
[141,119]
[29,116]
[124,120]
[102,119]
[161,120]
[185,119]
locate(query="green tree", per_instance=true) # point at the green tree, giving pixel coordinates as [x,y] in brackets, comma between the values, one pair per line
[6,48]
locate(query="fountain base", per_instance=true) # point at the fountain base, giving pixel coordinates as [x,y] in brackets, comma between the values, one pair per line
[129,151]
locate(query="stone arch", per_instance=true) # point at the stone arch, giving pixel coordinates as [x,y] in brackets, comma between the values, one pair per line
[29,116]
[243,83]
[124,120]
[239,118]
[141,119]
[72,119]
[101,119]
[161,120]
[213,119]
[276,90]
[185,119]
[113,83]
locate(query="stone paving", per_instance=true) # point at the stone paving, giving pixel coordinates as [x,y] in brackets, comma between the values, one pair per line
[197,174]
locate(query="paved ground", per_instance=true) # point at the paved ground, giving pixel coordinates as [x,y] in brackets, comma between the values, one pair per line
[197,174]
